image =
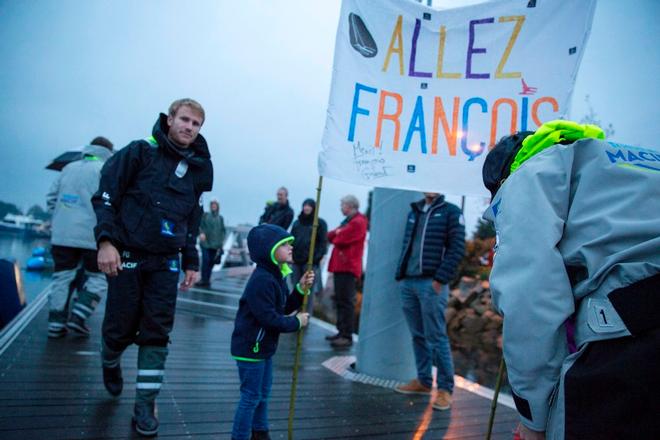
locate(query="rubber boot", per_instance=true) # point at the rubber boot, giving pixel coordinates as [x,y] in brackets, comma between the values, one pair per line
[58,293]
[151,367]
[82,309]
[112,378]
[56,324]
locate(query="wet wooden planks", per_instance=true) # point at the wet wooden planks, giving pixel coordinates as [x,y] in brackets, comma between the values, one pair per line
[52,389]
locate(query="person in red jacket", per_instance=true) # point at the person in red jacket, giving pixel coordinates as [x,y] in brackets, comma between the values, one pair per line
[346,266]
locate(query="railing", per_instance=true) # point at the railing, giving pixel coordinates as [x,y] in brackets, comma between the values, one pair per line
[20,321]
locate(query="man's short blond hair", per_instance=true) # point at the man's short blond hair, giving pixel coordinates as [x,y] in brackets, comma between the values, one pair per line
[196,106]
[351,201]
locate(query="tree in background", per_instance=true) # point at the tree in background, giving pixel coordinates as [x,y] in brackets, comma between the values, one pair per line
[8,208]
[592,118]
[39,213]
[477,260]
[485,229]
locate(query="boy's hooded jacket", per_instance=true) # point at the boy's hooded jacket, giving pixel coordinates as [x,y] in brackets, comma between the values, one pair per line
[266,300]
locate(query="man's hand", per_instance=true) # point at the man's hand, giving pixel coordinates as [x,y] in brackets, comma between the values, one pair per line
[188,280]
[108,259]
[307,280]
[437,286]
[524,433]
[202,236]
[303,318]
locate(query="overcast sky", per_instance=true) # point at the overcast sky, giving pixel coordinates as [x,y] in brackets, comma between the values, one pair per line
[74,69]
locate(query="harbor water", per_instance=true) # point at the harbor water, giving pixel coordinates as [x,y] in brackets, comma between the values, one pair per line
[18,248]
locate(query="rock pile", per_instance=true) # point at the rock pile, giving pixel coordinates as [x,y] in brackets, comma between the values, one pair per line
[475,330]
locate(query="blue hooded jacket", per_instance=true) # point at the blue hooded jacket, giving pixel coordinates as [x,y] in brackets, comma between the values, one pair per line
[266,300]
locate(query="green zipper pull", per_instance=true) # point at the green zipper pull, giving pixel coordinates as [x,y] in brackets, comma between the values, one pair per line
[255,349]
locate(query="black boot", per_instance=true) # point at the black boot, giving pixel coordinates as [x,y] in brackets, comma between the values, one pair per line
[144,418]
[151,366]
[260,435]
[333,337]
[112,380]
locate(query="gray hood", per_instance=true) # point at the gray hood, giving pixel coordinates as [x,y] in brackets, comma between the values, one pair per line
[98,151]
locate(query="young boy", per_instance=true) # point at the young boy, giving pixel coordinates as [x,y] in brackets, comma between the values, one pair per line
[262,315]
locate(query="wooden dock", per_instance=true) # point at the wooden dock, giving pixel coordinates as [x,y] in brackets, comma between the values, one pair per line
[52,389]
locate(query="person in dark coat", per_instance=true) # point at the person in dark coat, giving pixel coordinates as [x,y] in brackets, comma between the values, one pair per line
[212,233]
[264,311]
[433,246]
[148,216]
[302,232]
[278,213]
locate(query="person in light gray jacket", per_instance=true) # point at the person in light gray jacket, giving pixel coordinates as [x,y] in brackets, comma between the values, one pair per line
[578,239]
[73,242]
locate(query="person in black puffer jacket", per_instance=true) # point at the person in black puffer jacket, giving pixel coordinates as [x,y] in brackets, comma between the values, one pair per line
[302,232]
[433,246]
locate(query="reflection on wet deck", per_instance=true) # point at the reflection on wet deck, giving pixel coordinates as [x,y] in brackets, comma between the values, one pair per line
[53,389]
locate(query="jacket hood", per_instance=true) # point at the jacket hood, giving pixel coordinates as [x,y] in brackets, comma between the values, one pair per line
[199,147]
[262,241]
[98,151]
[552,133]
[497,165]
[419,205]
[304,218]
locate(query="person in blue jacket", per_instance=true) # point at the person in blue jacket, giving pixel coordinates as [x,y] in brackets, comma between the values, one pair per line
[264,311]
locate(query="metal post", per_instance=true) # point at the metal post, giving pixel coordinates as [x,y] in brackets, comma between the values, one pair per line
[385,348]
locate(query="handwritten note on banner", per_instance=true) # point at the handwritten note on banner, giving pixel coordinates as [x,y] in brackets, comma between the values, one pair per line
[419,95]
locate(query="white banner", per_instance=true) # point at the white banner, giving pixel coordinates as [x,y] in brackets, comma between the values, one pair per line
[419,95]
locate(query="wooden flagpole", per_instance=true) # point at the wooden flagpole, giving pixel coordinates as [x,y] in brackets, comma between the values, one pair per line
[493,404]
[309,266]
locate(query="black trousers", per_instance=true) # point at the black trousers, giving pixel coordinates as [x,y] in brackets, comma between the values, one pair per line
[67,258]
[141,301]
[613,390]
[345,302]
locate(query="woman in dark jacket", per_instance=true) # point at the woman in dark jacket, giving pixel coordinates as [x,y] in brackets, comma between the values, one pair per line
[302,232]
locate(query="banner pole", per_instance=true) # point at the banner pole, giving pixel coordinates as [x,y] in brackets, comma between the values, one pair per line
[309,266]
[493,404]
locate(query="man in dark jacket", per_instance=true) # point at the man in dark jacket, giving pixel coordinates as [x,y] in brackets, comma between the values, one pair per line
[278,213]
[148,215]
[433,246]
[302,233]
